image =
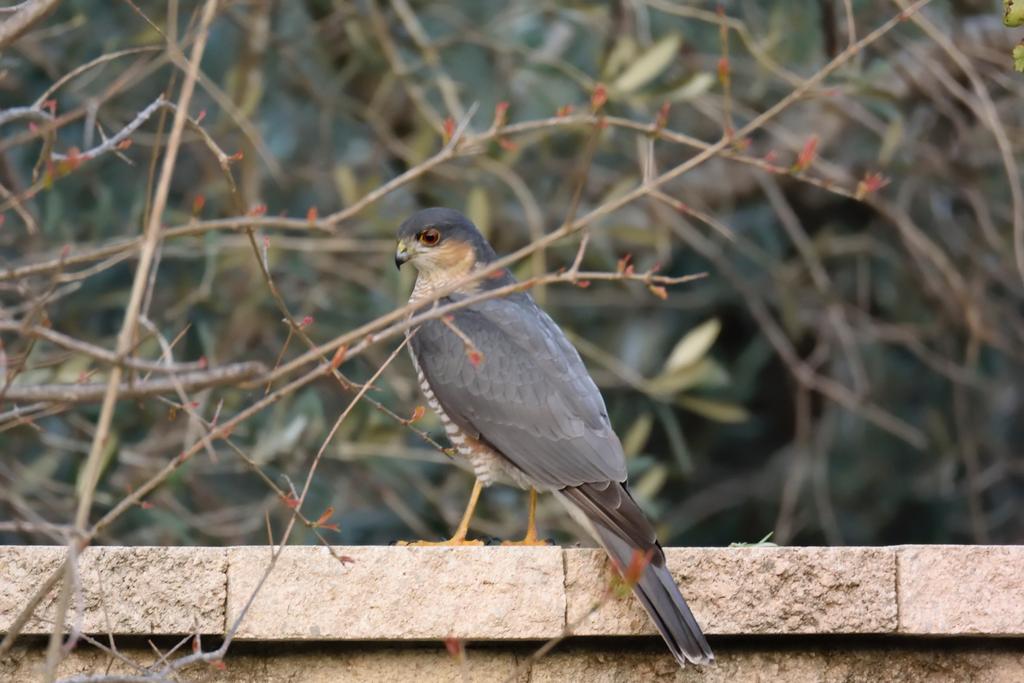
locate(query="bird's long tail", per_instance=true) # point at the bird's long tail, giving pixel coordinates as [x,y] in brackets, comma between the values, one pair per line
[610,514]
[661,598]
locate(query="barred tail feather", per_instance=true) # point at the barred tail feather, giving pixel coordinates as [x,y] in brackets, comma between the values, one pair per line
[656,589]
[661,598]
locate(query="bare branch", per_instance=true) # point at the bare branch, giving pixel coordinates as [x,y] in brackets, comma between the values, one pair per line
[95,391]
[93,351]
[27,14]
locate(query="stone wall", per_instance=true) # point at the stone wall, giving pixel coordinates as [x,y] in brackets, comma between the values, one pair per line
[843,614]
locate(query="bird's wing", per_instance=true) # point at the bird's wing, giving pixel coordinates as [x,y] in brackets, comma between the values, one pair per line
[529,396]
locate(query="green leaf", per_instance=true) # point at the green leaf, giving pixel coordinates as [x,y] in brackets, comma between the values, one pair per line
[425,141]
[1018,57]
[649,65]
[667,384]
[676,439]
[478,210]
[763,543]
[1013,14]
[891,140]
[652,481]
[719,411]
[694,345]
[621,54]
[279,438]
[637,435]
[71,370]
[346,183]
[704,373]
[694,87]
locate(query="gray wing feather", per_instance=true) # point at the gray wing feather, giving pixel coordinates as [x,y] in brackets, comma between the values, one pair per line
[531,397]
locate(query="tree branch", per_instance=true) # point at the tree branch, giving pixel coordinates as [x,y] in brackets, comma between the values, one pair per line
[95,391]
[28,14]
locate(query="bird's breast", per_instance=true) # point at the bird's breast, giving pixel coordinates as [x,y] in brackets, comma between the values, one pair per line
[488,465]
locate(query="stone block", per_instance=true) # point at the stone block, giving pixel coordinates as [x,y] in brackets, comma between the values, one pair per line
[749,591]
[399,593]
[961,590]
[125,590]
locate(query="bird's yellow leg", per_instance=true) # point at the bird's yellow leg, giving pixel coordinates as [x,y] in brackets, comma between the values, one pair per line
[531,526]
[459,537]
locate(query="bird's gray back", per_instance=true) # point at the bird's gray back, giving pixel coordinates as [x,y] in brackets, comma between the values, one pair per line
[529,397]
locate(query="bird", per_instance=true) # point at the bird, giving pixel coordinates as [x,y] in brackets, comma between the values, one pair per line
[518,404]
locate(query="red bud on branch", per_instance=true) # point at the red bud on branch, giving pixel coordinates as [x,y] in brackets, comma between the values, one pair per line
[322,521]
[871,182]
[500,114]
[723,71]
[624,266]
[662,120]
[637,564]
[339,356]
[807,155]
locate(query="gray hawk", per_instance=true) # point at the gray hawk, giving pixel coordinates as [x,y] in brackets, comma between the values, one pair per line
[517,402]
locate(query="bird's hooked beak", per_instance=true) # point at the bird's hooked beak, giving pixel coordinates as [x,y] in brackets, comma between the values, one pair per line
[402,254]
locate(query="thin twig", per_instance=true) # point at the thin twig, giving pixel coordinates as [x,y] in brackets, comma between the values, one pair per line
[93,351]
[96,391]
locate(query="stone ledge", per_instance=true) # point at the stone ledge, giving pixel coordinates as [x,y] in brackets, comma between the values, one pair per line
[494,593]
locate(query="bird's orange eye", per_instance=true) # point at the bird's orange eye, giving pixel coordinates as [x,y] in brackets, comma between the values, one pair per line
[429,237]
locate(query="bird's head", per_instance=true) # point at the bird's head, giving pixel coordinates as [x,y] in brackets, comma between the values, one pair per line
[442,244]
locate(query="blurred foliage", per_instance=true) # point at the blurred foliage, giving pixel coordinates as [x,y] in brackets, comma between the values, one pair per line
[725,393]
